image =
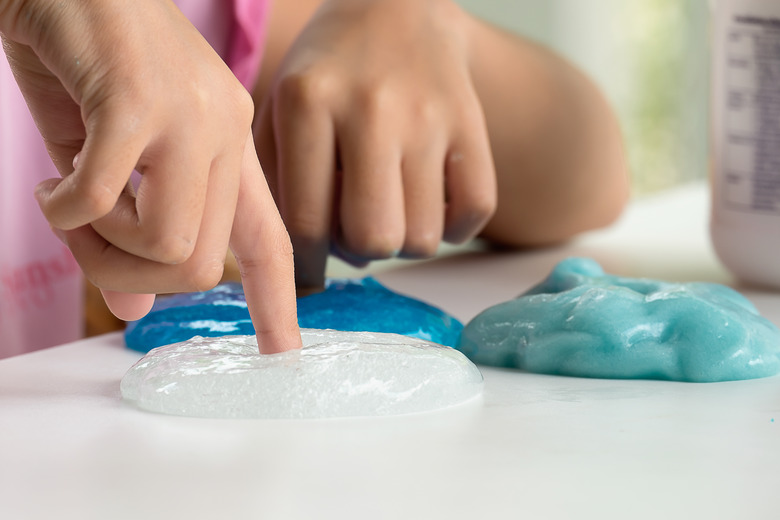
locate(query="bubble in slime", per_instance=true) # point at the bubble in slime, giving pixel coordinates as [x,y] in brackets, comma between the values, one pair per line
[582,322]
[345,304]
[336,374]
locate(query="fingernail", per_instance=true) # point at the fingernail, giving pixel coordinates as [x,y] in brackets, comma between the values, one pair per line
[76,160]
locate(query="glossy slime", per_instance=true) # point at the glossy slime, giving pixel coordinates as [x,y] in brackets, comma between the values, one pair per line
[336,374]
[582,322]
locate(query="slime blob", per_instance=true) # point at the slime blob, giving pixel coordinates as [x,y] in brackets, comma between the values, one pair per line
[582,322]
[336,374]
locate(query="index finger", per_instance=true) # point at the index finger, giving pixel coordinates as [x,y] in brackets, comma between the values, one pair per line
[265,260]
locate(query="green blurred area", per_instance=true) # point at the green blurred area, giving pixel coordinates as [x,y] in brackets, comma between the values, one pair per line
[651,59]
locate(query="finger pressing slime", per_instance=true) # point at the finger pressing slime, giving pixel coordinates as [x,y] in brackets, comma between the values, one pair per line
[582,322]
[345,304]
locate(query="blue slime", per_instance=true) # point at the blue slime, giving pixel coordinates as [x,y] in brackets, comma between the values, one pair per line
[582,322]
[347,305]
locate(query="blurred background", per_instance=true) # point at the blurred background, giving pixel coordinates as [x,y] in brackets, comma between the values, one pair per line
[650,57]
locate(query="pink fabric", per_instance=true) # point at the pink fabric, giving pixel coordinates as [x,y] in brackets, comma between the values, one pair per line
[236,30]
[41,301]
[246,47]
[40,283]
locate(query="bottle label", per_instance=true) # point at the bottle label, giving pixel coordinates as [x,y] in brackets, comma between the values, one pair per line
[750,154]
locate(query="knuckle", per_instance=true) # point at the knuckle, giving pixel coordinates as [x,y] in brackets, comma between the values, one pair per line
[282,245]
[245,108]
[169,249]
[199,101]
[421,246]
[374,243]
[279,243]
[305,89]
[471,216]
[278,250]
[205,274]
[96,200]
[427,114]
[479,207]
[375,101]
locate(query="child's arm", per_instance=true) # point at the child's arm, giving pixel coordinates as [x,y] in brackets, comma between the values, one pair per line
[391,124]
[127,85]
[556,143]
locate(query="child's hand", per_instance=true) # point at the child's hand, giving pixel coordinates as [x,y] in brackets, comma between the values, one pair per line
[373,138]
[133,85]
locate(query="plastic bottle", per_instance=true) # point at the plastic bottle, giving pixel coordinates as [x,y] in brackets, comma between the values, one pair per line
[745,139]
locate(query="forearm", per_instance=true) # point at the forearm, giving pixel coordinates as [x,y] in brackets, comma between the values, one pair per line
[556,144]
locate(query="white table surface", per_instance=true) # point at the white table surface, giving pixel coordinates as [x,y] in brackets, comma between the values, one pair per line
[535,447]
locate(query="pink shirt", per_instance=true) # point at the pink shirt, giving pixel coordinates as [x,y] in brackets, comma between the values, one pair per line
[41,301]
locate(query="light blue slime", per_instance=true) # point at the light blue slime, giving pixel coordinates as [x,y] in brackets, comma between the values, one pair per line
[582,322]
[347,305]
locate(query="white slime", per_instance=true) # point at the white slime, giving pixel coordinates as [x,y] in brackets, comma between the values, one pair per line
[336,374]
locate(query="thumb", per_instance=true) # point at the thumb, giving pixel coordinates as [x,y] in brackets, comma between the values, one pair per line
[127,306]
